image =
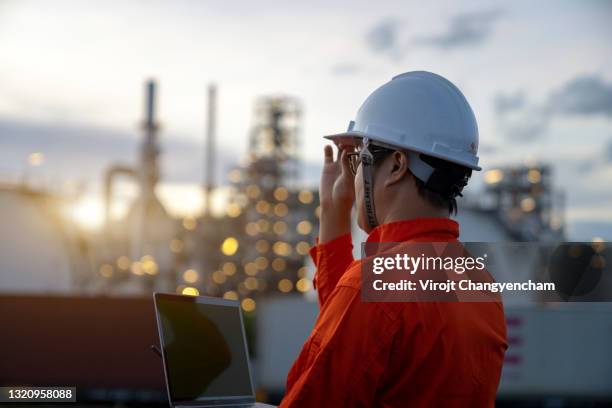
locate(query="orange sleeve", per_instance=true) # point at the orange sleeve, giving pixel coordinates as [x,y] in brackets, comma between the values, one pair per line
[331,259]
[345,357]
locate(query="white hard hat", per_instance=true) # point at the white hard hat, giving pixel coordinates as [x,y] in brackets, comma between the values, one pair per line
[420,112]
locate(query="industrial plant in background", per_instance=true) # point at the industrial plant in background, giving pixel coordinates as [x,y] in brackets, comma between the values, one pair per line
[259,246]
[525,203]
[255,252]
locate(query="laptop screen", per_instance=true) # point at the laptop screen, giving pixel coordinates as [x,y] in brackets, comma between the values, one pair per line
[204,348]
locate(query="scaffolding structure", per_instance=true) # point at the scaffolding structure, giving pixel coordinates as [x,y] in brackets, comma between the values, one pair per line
[526,203]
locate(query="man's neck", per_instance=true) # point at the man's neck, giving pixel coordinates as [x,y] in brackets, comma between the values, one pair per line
[413,211]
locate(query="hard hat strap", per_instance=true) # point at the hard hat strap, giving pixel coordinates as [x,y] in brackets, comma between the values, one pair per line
[367,167]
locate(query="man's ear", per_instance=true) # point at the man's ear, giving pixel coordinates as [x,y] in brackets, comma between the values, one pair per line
[398,167]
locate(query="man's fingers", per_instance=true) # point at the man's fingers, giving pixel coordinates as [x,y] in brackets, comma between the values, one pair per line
[329,154]
[344,161]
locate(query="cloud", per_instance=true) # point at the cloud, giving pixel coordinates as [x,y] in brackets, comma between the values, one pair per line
[582,96]
[84,152]
[525,125]
[388,38]
[505,103]
[608,152]
[384,38]
[586,166]
[346,69]
[599,161]
[467,29]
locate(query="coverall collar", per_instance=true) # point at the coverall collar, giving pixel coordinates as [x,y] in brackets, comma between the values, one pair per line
[418,229]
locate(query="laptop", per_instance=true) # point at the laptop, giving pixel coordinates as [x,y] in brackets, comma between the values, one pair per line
[204,352]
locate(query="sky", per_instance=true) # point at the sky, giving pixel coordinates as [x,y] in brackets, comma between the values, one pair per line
[537,74]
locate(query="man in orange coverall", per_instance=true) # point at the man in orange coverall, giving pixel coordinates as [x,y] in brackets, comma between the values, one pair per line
[403,161]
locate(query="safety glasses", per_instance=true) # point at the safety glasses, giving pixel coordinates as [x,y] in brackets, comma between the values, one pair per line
[371,152]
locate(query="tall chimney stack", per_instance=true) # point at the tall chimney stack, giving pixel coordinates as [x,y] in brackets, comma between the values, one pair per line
[210,154]
[150,104]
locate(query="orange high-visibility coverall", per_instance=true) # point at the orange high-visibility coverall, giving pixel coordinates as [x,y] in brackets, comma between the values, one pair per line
[402,354]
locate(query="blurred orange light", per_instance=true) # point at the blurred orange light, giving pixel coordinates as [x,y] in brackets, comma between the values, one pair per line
[232,295]
[303,285]
[534,176]
[281,194]
[493,176]
[281,209]
[281,248]
[234,210]
[191,276]
[229,246]
[302,248]
[251,228]
[251,268]
[36,159]
[176,245]
[190,291]
[219,277]
[248,304]
[106,270]
[229,268]
[263,225]
[252,191]
[262,206]
[251,283]
[189,223]
[136,268]
[305,197]
[123,262]
[304,227]
[261,262]
[285,285]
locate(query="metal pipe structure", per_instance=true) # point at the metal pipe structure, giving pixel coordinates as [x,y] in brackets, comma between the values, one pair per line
[146,175]
[209,154]
[109,181]
[149,171]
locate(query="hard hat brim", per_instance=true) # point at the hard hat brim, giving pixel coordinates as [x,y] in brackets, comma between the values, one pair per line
[346,138]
